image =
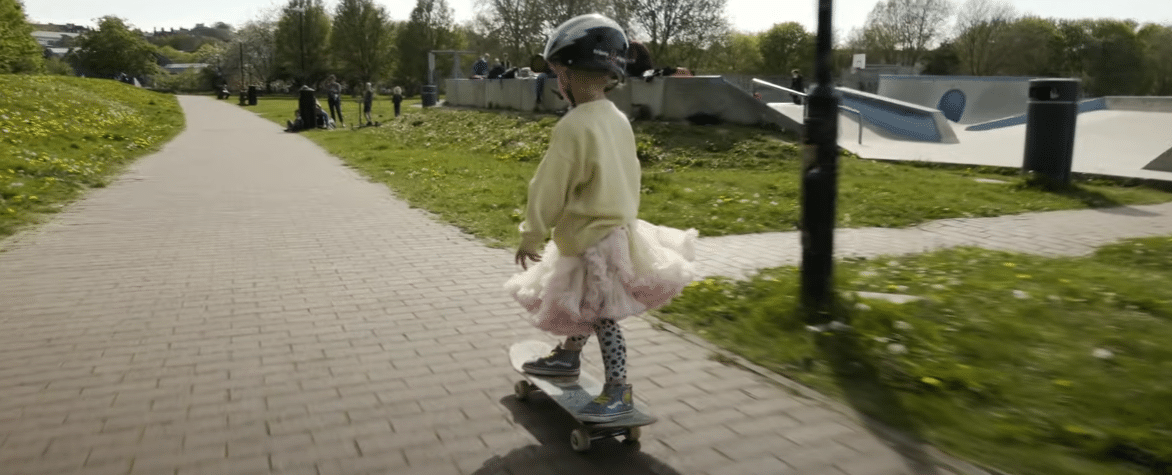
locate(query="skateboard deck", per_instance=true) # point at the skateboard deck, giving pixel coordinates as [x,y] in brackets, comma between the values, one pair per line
[572,394]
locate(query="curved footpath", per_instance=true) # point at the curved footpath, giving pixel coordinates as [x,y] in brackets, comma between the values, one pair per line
[242,303]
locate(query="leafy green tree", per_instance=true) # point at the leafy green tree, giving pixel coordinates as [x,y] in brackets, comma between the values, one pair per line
[429,28]
[302,41]
[737,53]
[1030,46]
[19,52]
[112,49]
[786,46]
[942,61]
[361,37]
[1157,40]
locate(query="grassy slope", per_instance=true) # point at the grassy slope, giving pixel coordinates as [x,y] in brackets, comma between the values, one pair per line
[719,180]
[62,135]
[998,363]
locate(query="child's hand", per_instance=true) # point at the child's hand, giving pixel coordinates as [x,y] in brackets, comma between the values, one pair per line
[523,254]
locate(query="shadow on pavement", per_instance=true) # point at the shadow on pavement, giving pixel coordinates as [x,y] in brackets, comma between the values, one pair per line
[864,390]
[551,426]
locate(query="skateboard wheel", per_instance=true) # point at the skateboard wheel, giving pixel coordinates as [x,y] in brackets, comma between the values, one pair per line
[521,390]
[633,435]
[580,440]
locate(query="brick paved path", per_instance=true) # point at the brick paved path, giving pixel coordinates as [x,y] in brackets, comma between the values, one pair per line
[229,307]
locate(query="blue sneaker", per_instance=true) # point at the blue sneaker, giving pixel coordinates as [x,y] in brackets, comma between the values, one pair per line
[615,402]
[560,362]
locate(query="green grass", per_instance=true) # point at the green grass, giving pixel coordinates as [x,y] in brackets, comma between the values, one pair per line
[62,135]
[472,168]
[997,363]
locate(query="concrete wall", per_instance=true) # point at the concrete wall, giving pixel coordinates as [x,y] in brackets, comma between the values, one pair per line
[1140,104]
[985,98]
[898,119]
[663,98]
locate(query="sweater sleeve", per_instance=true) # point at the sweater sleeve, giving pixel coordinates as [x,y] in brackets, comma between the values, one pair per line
[548,189]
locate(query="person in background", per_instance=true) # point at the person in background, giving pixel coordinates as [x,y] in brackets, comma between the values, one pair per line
[480,67]
[397,97]
[797,84]
[368,102]
[334,99]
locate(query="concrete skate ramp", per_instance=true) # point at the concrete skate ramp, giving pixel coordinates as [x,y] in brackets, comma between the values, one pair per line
[670,98]
[897,119]
[1163,163]
[1089,105]
[962,99]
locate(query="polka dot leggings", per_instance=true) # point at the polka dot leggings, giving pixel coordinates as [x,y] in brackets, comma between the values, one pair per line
[614,349]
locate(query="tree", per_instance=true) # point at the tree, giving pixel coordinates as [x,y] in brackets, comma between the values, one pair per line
[979,25]
[19,52]
[519,25]
[942,61]
[361,39]
[302,41]
[787,46]
[114,49]
[1113,56]
[737,52]
[689,24]
[1030,46]
[430,27]
[911,27]
[1157,40]
[256,45]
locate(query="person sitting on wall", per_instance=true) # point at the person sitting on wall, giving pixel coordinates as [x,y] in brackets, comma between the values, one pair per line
[640,64]
[638,59]
[480,67]
[497,70]
[538,65]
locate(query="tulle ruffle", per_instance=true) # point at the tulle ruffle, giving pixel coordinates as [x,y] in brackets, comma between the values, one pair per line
[635,268]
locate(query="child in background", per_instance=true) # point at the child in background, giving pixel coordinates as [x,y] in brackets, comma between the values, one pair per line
[368,102]
[603,264]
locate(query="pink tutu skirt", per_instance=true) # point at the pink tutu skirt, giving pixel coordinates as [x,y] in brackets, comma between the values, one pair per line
[636,268]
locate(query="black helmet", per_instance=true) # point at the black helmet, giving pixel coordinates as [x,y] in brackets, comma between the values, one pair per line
[589,42]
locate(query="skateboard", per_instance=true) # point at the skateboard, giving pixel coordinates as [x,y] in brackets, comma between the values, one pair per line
[573,393]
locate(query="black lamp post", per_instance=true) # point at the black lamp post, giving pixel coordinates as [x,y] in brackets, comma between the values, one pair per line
[301,33]
[820,183]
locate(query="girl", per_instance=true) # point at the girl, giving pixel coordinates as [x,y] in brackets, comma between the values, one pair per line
[397,98]
[602,264]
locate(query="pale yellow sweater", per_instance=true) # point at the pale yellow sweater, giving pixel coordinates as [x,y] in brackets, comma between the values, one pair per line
[588,182]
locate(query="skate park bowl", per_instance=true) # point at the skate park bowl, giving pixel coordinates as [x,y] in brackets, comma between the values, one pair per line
[962,99]
[705,98]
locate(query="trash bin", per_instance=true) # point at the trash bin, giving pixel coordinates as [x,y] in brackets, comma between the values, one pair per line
[430,95]
[306,107]
[252,95]
[1051,116]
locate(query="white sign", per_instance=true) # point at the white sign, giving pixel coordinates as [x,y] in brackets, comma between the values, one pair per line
[859,62]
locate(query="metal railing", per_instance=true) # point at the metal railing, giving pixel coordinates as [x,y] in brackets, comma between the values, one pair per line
[860,114]
[806,104]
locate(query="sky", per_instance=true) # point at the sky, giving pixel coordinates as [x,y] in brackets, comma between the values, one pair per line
[745,15]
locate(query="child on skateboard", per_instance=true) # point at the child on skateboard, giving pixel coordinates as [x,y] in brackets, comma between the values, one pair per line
[602,264]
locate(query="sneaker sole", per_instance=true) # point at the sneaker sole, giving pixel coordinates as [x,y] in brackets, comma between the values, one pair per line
[606,418]
[541,372]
